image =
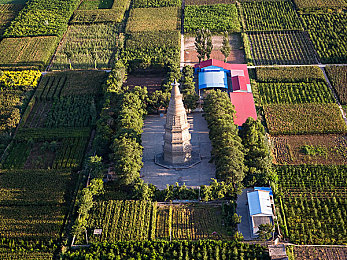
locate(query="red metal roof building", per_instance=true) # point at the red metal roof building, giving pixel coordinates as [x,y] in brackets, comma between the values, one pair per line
[241,95]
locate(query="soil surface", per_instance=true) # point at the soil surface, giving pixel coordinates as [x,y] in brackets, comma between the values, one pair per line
[39,159]
[320,252]
[287,149]
[152,82]
[237,55]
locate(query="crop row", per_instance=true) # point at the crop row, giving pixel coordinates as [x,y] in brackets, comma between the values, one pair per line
[290,74]
[172,250]
[270,16]
[28,255]
[309,118]
[281,48]
[315,4]
[122,220]
[294,93]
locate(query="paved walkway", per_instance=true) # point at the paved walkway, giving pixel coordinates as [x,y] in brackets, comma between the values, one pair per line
[152,141]
[242,210]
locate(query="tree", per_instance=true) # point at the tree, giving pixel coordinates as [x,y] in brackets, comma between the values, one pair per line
[159,99]
[265,231]
[203,43]
[226,49]
[257,153]
[187,87]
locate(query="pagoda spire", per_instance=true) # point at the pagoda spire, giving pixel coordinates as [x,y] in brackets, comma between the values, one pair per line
[177,147]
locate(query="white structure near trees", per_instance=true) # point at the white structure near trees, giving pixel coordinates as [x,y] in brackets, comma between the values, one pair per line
[260,209]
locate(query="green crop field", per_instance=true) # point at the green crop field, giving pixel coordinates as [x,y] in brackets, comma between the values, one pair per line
[270,16]
[153,19]
[282,48]
[87,47]
[309,118]
[217,18]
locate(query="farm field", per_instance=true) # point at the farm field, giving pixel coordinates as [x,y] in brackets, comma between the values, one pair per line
[191,222]
[54,13]
[294,93]
[7,13]
[153,19]
[303,4]
[329,253]
[313,203]
[122,221]
[327,31]
[37,211]
[87,47]
[96,4]
[309,74]
[104,11]
[209,2]
[338,78]
[22,2]
[151,50]
[282,48]
[217,18]
[32,53]
[310,149]
[270,16]
[10,255]
[156,3]
[309,118]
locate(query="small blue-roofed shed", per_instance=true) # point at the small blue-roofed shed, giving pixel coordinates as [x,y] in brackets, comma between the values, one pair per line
[260,209]
[213,77]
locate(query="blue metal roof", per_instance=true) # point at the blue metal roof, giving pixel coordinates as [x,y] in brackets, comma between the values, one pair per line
[213,78]
[259,203]
[264,188]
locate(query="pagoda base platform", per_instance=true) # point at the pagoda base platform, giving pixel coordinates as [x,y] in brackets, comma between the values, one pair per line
[195,159]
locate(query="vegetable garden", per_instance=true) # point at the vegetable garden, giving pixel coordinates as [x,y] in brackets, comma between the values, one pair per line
[282,48]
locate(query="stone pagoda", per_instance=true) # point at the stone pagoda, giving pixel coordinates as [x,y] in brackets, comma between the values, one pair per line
[177,147]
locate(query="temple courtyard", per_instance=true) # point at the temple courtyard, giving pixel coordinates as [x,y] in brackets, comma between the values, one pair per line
[152,142]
